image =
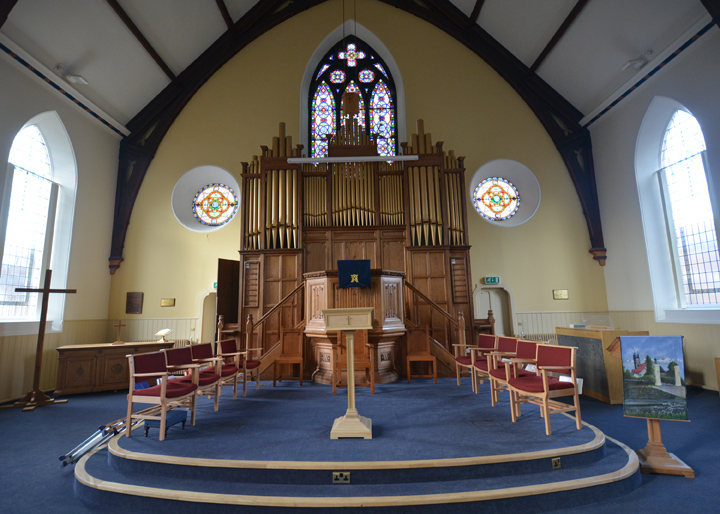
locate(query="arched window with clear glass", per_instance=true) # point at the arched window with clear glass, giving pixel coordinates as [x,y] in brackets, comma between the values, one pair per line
[352,66]
[689,211]
[28,236]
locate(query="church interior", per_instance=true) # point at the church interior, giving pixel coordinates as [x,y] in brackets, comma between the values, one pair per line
[211,170]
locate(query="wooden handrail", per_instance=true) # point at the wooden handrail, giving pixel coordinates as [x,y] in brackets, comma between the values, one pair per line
[432,304]
[276,307]
[459,323]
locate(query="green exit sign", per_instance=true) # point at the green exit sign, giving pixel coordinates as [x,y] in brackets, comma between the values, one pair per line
[492,280]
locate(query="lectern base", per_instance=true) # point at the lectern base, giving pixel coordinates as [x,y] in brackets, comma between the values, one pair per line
[351,425]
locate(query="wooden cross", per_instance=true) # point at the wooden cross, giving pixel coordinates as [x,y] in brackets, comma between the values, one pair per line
[36,398]
[119,326]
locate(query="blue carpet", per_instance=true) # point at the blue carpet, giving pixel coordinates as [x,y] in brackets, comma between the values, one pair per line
[30,443]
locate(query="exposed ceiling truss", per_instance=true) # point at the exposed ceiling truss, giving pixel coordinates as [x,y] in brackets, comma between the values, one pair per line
[541,69]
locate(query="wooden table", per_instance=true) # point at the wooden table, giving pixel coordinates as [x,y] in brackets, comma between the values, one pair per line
[88,368]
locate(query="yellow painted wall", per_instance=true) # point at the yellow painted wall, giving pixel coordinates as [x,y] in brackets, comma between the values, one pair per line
[463,102]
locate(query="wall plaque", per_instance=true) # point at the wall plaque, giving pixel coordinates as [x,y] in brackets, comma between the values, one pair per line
[134,303]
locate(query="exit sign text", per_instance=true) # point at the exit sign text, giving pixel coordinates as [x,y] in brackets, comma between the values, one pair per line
[492,280]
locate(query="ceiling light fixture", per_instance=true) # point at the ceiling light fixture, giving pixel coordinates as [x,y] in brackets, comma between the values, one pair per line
[76,79]
[638,62]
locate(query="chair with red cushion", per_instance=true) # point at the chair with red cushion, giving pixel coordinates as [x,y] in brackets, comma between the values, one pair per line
[165,394]
[502,367]
[228,349]
[463,360]
[181,359]
[202,353]
[480,370]
[542,387]
[230,365]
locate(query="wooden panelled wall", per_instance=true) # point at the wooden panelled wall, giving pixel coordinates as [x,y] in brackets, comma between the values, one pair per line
[403,216]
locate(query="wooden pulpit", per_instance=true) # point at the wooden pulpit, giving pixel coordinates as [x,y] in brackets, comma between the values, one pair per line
[385,295]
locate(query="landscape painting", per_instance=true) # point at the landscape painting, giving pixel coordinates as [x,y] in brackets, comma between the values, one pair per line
[654,377]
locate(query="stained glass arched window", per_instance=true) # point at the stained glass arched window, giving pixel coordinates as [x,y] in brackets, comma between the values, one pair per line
[215,205]
[347,66]
[496,199]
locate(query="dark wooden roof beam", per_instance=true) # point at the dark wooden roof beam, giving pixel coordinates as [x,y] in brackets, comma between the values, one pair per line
[475,14]
[141,38]
[225,14]
[713,7]
[5,7]
[559,34]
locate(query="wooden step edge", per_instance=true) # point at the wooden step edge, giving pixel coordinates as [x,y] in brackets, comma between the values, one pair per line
[630,468]
[597,442]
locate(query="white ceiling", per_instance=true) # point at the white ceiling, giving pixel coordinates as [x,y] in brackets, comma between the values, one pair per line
[88,38]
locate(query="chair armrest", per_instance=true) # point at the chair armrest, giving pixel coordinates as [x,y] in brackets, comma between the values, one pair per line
[523,361]
[184,366]
[211,359]
[157,374]
[502,354]
[551,368]
[223,355]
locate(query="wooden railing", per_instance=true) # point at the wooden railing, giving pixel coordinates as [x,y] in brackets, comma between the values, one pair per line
[458,323]
[268,354]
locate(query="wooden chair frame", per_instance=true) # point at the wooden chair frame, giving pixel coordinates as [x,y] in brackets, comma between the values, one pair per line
[228,362]
[487,343]
[500,367]
[422,356]
[368,364]
[209,389]
[162,404]
[288,359]
[204,354]
[544,398]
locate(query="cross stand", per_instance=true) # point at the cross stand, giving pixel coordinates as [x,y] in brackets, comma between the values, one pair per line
[36,398]
[119,326]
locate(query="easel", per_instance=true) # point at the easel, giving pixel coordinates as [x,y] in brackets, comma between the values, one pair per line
[36,398]
[654,458]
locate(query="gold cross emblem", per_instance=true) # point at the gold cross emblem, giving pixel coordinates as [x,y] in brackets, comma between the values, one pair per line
[354,278]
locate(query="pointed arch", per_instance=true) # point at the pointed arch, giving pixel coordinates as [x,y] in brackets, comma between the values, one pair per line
[668,297]
[351,27]
[60,219]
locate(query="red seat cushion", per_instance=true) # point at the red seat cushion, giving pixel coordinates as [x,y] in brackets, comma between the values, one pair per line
[464,360]
[203,378]
[500,373]
[175,389]
[482,365]
[252,364]
[534,384]
[228,370]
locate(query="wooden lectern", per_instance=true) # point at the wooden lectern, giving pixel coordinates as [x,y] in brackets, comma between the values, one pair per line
[350,320]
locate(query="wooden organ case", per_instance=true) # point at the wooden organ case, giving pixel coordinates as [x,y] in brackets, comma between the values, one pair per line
[407,217]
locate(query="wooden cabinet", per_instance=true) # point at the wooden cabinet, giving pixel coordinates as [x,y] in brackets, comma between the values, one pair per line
[600,371]
[98,367]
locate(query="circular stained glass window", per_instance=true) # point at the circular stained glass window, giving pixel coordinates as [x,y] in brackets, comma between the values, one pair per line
[215,205]
[496,199]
